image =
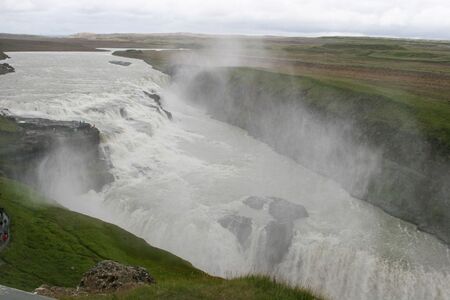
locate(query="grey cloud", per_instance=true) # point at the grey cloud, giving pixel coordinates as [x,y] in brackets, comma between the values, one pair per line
[411,18]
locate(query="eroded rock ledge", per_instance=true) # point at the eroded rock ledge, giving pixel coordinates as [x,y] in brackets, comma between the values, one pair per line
[27,142]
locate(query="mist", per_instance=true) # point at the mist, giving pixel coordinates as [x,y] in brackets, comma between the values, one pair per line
[276,114]
[312,123]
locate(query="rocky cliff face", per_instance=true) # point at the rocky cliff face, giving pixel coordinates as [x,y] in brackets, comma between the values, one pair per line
[332,132]
[34,150]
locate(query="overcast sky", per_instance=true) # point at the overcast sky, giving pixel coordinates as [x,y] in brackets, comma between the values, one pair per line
[400,18]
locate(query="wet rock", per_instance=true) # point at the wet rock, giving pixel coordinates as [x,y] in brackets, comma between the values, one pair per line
[285,211]
[240,226]
[120,63]
[255,202]
[278,241]
[123,112]
[155,97]
[134,51]
[6,68]
[31,140]
[109,276]
[3,56]
[168,114]
[279,231]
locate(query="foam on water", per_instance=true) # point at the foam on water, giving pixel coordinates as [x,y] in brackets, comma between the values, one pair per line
[176,181]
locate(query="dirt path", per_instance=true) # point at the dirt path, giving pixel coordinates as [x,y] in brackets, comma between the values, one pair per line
[13,294]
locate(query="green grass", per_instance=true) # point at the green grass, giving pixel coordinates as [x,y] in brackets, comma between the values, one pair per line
[8,126]
[52,245]
[397,109]
[245,288]
[366,46]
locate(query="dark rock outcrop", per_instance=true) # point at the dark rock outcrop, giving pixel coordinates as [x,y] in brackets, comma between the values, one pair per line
[240,226]
[279,239]
[105,277]
[134,51]
[255,202]
[285,211]
[109,276]
[3,56]
[26,142]
[120,63]
[123,112]
[5,68]
[278,229]
[154,96]
[157,99]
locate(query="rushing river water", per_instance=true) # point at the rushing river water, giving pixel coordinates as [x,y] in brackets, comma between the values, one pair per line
[208,192]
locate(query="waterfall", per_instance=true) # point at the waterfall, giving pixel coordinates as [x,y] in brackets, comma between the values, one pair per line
[210,193]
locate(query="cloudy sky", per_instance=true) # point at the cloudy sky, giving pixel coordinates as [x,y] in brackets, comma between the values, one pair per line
[400,18]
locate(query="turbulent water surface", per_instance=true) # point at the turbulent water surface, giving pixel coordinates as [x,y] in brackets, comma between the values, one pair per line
[211,194]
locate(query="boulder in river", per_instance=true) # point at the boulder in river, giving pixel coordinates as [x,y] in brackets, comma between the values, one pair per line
[267,221]
[6,68]
[120,63]
[240,226]
[154,96]
[255,202]
[157,99]
[278,240]
[285,211]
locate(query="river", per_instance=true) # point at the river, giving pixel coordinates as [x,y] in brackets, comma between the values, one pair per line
[211,194]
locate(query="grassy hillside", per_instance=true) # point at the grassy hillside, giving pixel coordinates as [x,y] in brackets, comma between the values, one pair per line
[52,245]
[396,109]
[254,287]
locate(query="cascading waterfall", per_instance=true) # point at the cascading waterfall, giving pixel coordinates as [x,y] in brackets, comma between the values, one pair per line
[211,194]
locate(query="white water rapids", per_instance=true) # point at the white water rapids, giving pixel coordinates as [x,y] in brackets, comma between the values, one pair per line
[177,181]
